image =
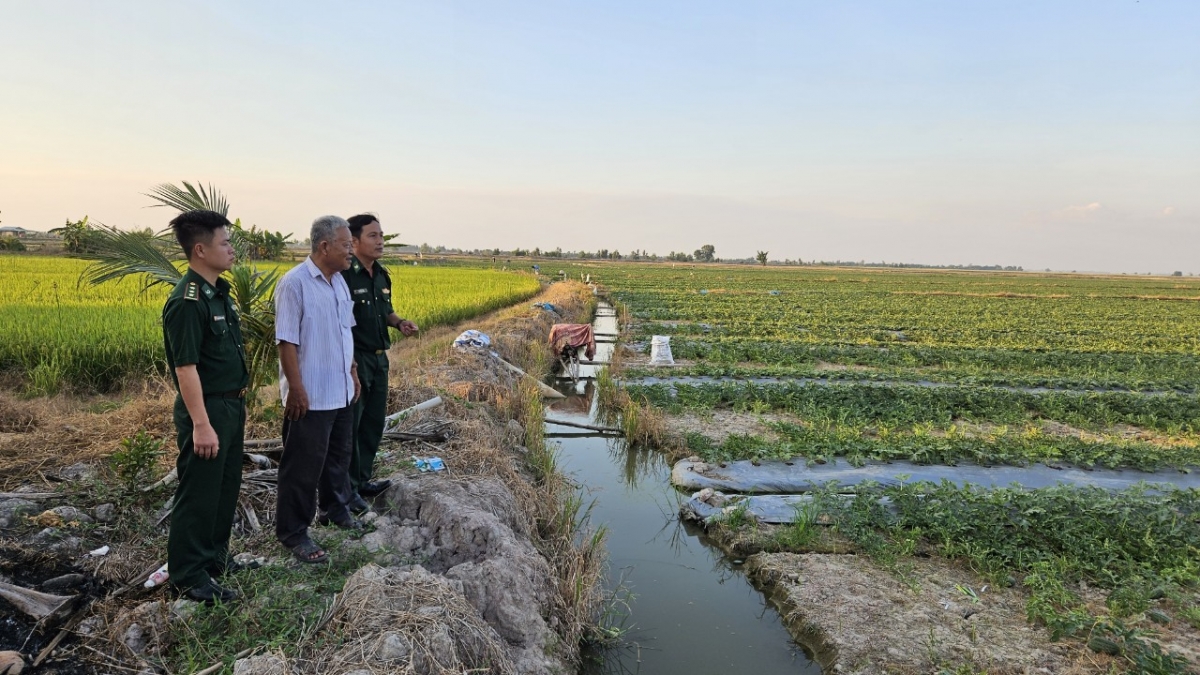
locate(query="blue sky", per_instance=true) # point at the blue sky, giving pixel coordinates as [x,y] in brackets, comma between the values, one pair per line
[1043,134]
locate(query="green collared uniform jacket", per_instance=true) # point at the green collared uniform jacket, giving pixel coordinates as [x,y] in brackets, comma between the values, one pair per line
[372,296]
[201,327]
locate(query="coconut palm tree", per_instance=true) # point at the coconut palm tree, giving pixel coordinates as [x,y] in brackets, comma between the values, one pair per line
[155,259]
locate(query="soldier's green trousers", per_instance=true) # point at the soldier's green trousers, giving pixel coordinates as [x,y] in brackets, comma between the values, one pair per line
[202,515]
[369,412]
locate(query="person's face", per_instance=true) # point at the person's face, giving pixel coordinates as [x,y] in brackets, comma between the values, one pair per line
[337,251]
[218,253]
[369,244]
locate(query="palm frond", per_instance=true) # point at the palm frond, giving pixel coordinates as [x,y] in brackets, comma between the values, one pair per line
[117,254]
[241,244]
[189,197]
[251,290]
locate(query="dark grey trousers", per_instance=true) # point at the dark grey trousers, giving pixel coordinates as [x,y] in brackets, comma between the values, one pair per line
[315,463]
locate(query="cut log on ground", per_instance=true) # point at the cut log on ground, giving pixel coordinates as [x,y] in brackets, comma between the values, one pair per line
[34,603]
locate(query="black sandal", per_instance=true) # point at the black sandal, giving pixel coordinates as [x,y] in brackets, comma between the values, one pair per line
[309,552]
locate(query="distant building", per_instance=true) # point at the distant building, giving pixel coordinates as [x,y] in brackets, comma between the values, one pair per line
[18,232]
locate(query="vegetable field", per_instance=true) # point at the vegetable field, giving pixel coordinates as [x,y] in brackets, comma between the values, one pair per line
[55,331]
[949,368]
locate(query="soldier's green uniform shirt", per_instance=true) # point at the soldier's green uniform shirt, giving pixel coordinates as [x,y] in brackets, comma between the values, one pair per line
[372,296]
[202,327]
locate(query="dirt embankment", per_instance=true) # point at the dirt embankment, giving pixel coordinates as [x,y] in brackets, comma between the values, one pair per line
[924,615]
[475,568]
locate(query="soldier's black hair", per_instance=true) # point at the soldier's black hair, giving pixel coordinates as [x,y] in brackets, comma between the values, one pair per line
[357,223]
[194,227]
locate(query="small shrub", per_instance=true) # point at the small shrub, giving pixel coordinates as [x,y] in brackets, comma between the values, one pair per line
[134,462]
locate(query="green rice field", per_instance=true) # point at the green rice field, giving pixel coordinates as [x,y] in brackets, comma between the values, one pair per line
[93,337]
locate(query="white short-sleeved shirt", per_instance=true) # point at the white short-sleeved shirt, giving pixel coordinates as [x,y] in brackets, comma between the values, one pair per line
[316,315]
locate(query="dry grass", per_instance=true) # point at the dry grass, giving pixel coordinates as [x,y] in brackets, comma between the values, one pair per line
[402,621]
[66,430]
[482,445]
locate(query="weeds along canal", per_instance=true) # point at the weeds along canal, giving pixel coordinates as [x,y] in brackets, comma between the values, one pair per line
[687,608]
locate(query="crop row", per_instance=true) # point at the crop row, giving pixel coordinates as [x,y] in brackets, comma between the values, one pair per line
[900,405]
[1054,369]
[950,445]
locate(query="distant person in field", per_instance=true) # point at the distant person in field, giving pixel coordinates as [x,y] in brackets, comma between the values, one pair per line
[371,290]
[314,316]
[207,360]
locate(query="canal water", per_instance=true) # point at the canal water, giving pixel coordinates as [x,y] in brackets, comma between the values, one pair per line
[690,609]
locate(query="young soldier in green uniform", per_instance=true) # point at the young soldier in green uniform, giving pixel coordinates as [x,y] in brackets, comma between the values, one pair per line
[206,357]
[371,290]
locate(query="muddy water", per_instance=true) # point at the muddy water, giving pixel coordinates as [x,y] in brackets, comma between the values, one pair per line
[690,609]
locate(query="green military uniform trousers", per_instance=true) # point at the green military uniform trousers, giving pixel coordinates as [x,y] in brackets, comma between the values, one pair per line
[202,516]
[369,413]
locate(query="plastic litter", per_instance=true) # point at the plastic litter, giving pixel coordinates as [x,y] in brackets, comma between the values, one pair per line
[103,550]
[472,338]
[157,577]
[424,464]
[660,351]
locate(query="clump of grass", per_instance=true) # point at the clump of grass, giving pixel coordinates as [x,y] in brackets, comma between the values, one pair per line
[45,378]
[642,424]
[799,534]
[280,609]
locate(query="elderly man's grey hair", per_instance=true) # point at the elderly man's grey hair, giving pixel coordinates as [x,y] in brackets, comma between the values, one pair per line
[325,229]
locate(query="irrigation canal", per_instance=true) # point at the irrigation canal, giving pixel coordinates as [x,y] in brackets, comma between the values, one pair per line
[690,609]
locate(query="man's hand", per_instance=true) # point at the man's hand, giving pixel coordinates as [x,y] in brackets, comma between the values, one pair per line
[357,385]
[204,440]
[297,403]
[407,327]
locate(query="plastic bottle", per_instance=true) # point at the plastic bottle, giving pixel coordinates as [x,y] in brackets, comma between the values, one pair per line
[157,577]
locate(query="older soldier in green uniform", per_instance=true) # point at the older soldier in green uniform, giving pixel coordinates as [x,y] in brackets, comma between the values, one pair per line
[205,353]
[371,290]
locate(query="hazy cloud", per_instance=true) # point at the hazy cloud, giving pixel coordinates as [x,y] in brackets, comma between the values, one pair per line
[1168,211]
[1076,212]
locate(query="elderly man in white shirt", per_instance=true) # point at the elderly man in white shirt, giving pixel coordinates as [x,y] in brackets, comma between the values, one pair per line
[313,318]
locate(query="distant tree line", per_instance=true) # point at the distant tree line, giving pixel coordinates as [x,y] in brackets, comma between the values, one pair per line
[705,254]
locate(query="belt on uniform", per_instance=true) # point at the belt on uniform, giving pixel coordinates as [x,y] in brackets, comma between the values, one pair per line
[379,351]
[236,393]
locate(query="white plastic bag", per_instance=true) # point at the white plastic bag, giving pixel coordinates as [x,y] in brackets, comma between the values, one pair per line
[660,351]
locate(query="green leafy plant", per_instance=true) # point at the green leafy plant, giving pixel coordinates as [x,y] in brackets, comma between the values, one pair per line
[134,462]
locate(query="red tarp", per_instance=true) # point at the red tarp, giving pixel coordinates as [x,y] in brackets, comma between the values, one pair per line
[573,335]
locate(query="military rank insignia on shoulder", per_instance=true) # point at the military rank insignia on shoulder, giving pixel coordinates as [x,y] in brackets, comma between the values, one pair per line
[192,291]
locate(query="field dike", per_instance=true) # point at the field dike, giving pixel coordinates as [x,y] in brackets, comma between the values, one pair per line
[858,616]
[487,567]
